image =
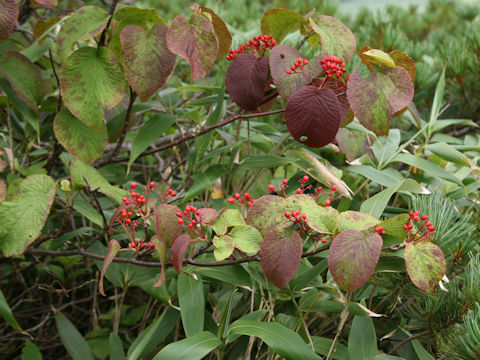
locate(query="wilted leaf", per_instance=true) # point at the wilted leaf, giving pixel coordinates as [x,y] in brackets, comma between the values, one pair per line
[426,264]
[146,59]
[113,247]
[224,37]
[266,213]
[24,216]
[86,23]
[77,138]
[245,80]
[194,40]
[91,80]
[313,116]
[280,22]
[166,223]
[178,251]
[352,258]
[280,255]
[8,17]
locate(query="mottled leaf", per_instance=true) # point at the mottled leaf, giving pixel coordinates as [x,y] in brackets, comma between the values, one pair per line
[280,22]
[113,247]
[3,164]
[223,247]
[49,4]
[375,100]
[41,26]
[282,57]
[86,23]
[352,258]
[338,87]
[8,17]
[3,190]
[146,59]
[322,219]
[246,238]
[177,252]
[79,170]
[266,213]
[353,144]
[77,138]
[224,37]
[166,223]
[335,37]
[280,255]
[354,220]
[24,216]
[313,116]
[194,40]
[91,80]
[425,263]
[245,80]
[24,77]
[404,61]
[207,216]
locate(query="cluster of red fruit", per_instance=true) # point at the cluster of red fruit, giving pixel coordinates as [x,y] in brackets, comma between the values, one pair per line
[300,63]
[380,230]
[333,65]
[237,199]
[425,227]
[189,212]
[295,216]
[258,45]
[139,245]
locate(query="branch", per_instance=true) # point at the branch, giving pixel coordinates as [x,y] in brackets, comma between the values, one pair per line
[404,341]
[104,32]
[93,195]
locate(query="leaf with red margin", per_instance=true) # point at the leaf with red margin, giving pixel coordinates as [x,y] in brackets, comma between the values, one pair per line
[282,57]
[376,99]
[224,37]
[113,248]
[313,116]
[404,61]
[280,255]
[207,216]
[8,17]
[335,37]
[266,213]
[194,40]
[352,258]
[24,77]
[161,249]
[279,22]
[245,80]
[166,223]
[3,190]
[426,264]
[146,59]
[177,252]
[49,4]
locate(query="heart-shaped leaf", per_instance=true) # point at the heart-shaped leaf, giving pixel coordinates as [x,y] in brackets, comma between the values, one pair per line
[77,138]
[224,37]
[245,80]
[280,255]
[8,17]
[166,223]
[355,220]
[426,264]
[194,40]
[282,58]
[146,59]
[280,22]
[404,61]
[376,99]
[91,80]
[352,258]
[313,116]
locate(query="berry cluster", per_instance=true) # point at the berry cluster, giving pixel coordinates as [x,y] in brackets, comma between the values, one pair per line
[295,216]
[302,182]
[300,63]
[139,245]
[331,192]
[283,187]
[424,231]
[237,199]
[258,45]
[380,230]
[188,220]
[333,65]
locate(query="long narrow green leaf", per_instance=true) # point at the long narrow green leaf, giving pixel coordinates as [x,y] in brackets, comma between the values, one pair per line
[192,348]
[421,352]
[322,346]
[73,341]
[448,153]
[362,341]
[192,303]
[437,100]
[115,347]
[6,312]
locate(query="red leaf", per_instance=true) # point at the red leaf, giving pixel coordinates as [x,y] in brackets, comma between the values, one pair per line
[178,251]
[113,247]
[207,216]
[8,17]
[245,80]
[166,223]
[313,114]
[280,255]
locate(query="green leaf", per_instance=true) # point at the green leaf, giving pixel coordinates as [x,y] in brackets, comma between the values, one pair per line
[149,133]
[232,274]
[376,56]
[203,181]
[78,170]
[227,218]
[448,153]
[377,203]
[88,211]
[352,258]
[279,338]
[223,247]
[322,219]
[335,37]
[421,352]
[192,303]
[166,223]
[25,215]
[73,341]
[192,348]
[78,139]
[91,80]
[146,59]
[261,161]
[246,238]
[153,335]
[6,313]
[384,148]
[387,357]
[8,17]
[426,264]
[381,177]
[113,248]
[362,341]
[194,40]
[322,346]
[280,22]
[354,220]
[394,226]
[226,315]
[86,23]
[115,347]
[31,352]
[437,100]
[430,169]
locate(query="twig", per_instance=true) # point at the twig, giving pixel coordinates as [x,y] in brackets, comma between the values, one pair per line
[407,340]
[104,32]
[126,126]
[343,320]
[93,195]
[59,102]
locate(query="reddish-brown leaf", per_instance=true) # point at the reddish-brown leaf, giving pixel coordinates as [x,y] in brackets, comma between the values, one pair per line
[8,17]
[245,80]
[221,30]
[166,223]
[280,255]
[177,252]
[207,216]
[113,247]
[161,249]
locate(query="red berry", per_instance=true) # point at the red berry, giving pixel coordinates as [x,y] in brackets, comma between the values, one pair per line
[249,203]
[288,71]
[431,228]
[299,191]
[271,187]
[416,212]
[305,178]
[304,216]
[327,202]
[323,241]
[128,221]
[405,226]
[133,245]
[179,214]
[297,218]
[424,217]
[174,193]
[284,181]
[180,221]
[188,208]
[410,213]
[190,226]
[127,202]
[428,223]
[129,213]
[334,187]
[133,184]
[305,62]
[197,213]
[237,196]
[124,199]
[383,232]
[247,196]
[415,218]
[287,214]
[152,185]
[231,200]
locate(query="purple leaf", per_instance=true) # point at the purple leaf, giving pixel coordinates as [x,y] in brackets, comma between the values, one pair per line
[177,252]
